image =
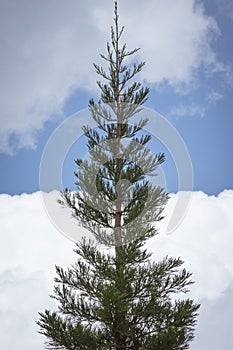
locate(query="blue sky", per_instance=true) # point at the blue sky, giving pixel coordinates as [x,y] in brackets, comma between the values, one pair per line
[191,82]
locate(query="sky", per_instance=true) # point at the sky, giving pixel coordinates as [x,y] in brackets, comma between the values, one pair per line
[47,75]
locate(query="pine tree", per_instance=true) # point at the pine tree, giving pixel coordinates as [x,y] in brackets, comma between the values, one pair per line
[119,299]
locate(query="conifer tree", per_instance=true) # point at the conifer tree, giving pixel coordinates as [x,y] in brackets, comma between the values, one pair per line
[119,299]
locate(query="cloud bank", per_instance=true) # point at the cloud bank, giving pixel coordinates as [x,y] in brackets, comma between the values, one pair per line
[31,246]
[47,50]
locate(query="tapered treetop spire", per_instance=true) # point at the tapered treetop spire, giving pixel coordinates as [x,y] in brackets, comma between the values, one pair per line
[120,161]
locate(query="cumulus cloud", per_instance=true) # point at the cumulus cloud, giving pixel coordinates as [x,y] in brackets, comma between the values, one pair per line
[175,41]
[31,246]
[210,335]
[21,298]
[47,50]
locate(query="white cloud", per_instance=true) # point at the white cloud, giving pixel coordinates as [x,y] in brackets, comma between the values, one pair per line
[214,96]
[214,326]
[175,40]
[191,110]
[31,246]
[47,49]
[21,298]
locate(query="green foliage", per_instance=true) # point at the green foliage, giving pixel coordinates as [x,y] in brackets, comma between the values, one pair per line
[119,299]
[104,305]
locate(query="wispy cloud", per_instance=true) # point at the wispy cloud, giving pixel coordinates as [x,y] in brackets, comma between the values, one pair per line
[214,96]
[225,7]
[191,110]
